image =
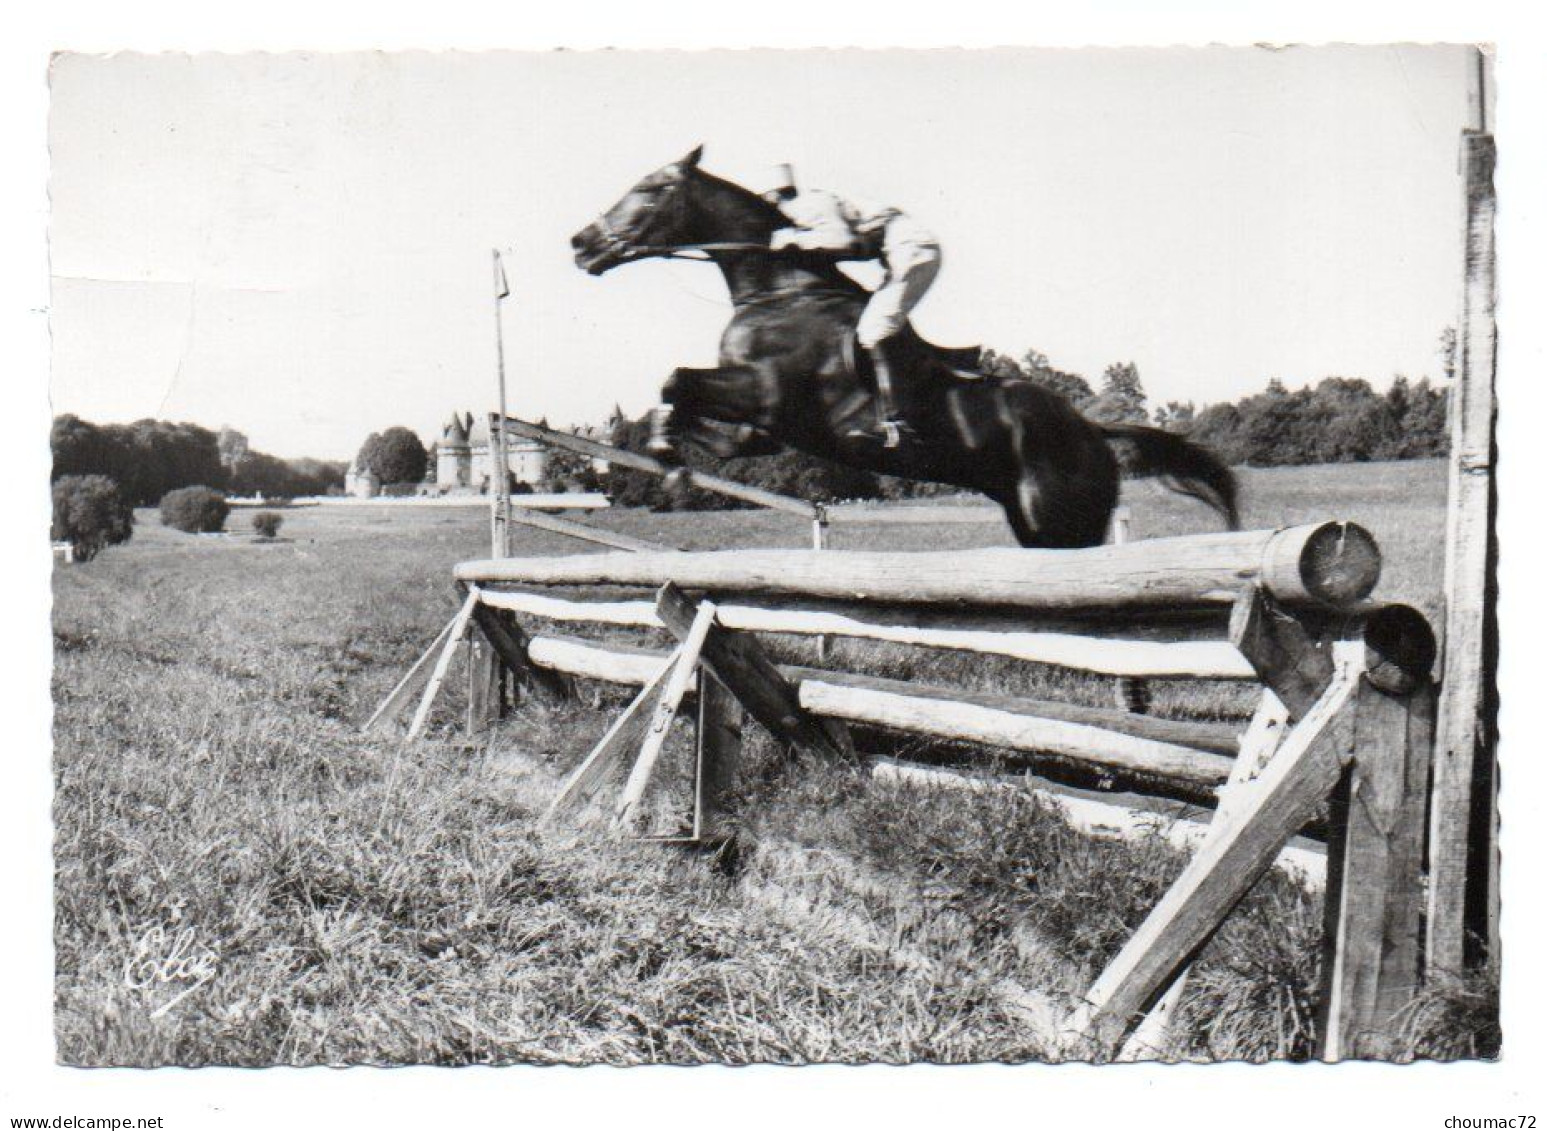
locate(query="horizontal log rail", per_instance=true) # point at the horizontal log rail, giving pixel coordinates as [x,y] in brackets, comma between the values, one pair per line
[1096,818]
[1115,740]
[1148,659]
[1328,565]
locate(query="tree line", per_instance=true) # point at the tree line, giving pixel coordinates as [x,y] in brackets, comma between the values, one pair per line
[1338,420]
[149,458]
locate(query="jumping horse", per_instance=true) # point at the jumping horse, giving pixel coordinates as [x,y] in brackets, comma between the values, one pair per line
[790,375]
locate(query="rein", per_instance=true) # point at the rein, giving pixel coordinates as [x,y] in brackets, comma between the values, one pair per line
[696,252]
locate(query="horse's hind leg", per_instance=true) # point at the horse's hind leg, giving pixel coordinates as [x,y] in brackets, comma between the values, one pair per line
[1063,495]
[1020,505]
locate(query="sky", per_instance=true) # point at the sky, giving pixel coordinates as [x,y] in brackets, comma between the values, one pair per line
[298,245]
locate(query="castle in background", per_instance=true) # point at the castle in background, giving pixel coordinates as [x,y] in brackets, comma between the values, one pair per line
[464,463]
[461,461]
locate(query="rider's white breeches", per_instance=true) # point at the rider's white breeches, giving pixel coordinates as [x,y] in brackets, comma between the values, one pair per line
[912,259]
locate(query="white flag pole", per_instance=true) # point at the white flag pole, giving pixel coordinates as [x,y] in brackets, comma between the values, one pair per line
[500,472]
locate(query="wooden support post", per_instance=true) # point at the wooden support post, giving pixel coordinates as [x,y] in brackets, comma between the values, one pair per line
[1372,941]
[736,660]
[1462,856]
[454,637]
[1370,967]
[1132,694]
[720,718]
[1289,663]
[483,688]
[625,731]
[509,642]
[683,672]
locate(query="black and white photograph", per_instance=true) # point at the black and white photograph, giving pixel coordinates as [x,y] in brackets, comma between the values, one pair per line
[822,557]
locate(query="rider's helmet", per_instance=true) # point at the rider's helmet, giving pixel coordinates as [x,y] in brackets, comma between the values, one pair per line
[778,184]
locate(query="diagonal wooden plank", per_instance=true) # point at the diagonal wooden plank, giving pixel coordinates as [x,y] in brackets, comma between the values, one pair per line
[508,640]
[458,629]
[737,661]
[683,671]
[587,777]
[1299,777]
[719,745]
[411,683]
[571,529]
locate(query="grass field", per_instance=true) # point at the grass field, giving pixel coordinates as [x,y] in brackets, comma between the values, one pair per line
[225,834]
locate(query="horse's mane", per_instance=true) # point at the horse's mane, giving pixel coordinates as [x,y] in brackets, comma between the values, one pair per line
[760,208]
[768,218]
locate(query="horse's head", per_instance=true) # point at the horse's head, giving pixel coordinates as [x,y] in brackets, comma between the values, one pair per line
[654,213]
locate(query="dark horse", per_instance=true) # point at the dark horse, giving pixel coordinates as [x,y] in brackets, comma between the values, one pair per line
[789,375]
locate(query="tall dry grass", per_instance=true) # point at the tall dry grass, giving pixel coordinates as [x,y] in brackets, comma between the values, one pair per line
[365,901]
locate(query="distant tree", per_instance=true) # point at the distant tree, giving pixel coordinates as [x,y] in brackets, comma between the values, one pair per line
[233,447]
[315,476]
[564,470]
[1071,386]
[1121,400]
[396,456]
[1449,351]
[194,510]
[1175,416]
[90,513]
[365,458]
[266,524]
[1219,428]
[1420,420]
[1034,366]
[151,457]
[80,448]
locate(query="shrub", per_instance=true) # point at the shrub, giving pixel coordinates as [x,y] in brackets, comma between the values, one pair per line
[90,513]
[396,456]
[266,524]
[400,490]
[194,510]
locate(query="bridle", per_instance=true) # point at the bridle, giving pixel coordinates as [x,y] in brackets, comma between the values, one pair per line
[628,251]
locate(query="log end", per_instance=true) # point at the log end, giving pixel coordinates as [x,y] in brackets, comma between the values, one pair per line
[1331,564]
[1400,649]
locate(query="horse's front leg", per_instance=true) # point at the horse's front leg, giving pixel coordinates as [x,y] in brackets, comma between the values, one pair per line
[729,410]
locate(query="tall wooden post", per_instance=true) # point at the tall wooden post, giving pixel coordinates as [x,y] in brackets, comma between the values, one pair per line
[500,474]
[1463,851]
[486,675]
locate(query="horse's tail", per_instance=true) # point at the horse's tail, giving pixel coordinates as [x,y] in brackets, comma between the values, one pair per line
[1184,466]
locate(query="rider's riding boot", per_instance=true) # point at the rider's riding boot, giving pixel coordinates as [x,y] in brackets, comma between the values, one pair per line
[890,428]
[661,441]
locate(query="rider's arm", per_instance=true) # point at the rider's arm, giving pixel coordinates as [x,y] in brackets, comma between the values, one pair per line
[818,224]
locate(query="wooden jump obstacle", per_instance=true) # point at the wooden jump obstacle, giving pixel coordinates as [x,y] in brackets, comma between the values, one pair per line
[1346,718]
[1346,711]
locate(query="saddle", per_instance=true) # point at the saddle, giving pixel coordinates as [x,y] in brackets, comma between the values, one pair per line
[965,360]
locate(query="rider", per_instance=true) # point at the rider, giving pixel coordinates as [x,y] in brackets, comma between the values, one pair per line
[824,221]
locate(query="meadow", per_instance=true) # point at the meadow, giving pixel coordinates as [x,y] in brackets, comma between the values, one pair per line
[242,878]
